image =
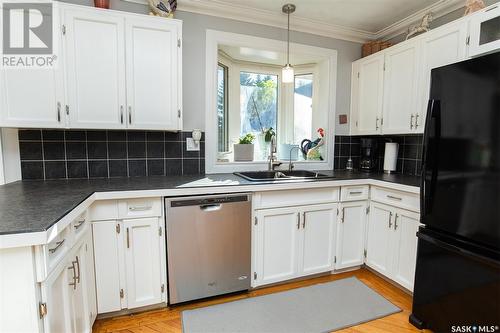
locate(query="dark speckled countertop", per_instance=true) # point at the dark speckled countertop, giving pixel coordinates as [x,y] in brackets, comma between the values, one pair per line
[34,206]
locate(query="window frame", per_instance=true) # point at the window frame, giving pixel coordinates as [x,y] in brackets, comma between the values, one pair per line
[329,70]
[226,106]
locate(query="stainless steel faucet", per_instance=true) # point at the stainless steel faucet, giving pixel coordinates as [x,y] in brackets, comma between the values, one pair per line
[273,163]
[290,163]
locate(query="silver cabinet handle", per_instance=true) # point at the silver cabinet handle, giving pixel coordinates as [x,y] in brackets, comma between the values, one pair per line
[130,115]
[376,123]
[394,198]
[139,208]
[121,114]
[298,220]
[416,121]
[343,215]
[77,262]
[355,192]
[72,267]
[128,239]
[80,223]
[411,121]
[390,220]
[304,220]
[58,112]
[58,245]
[396,222]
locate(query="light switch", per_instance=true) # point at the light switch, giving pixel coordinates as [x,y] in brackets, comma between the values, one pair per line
[192,145]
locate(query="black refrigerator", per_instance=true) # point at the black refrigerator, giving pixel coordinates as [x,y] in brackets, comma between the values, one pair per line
[457,277]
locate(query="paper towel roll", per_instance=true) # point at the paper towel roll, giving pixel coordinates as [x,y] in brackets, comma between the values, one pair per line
[391,157]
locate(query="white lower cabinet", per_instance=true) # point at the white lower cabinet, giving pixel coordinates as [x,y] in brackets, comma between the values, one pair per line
[351,226]
[292,242]
[142,262]
[392,243]
[128,263]
[68,293]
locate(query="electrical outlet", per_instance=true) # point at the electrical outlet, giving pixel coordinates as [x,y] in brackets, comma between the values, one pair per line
[192,145]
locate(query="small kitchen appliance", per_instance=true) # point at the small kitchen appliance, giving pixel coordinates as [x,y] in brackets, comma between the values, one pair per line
[368,161]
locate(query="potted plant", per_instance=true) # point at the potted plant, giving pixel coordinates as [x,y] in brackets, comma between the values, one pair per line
[243,150]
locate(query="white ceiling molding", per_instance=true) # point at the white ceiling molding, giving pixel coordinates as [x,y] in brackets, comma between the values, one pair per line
[438,9]
[275,19]
[315,27]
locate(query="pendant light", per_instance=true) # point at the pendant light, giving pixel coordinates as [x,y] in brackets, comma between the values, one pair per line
[287,73]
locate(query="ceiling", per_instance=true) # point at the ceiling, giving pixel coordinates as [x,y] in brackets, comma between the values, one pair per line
[368,15]
[356,20]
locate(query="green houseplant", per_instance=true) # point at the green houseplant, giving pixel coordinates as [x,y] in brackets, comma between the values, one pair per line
[243,150]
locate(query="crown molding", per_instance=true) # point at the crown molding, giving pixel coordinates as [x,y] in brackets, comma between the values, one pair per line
[438,9]
[265,17]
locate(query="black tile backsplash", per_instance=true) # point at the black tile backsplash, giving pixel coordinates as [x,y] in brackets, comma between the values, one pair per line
[409,154]
[60,154]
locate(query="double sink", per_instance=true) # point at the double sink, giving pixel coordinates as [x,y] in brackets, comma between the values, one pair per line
[281,175]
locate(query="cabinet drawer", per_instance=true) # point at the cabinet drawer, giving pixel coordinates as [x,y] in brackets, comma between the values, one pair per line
[139,208]
[48,256]
[104,210]
[354,193]
[295,197]
[396,198]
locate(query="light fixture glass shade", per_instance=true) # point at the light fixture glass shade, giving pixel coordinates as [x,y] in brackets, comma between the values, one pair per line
[287,74]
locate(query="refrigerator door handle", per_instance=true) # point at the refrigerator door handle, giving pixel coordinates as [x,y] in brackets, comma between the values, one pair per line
[432,128]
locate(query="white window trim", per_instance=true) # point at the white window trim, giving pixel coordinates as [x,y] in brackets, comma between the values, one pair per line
[213,39]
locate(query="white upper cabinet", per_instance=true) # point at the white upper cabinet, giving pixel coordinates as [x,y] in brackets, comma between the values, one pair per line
[400,88]
[95,58]
[404,85]
[153,91]
[32,98]
[440,47]
[367,117]
[117,70]
[484,31]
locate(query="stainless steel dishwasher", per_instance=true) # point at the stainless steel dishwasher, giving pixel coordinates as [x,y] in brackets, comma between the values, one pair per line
[208,245]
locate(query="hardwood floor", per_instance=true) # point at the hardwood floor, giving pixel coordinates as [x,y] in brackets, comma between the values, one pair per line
[169,320]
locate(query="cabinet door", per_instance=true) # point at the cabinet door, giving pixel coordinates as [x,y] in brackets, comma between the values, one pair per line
[351,234]
[400,89]
[406,225]
[142,262]
[378,250]
[108,265]
[32,98]
[369,97]
[440,47]
[484,27]
[318,228]
[276,244]
[95,58]
[56,293]
[79,298]
[152,81]
[89,279]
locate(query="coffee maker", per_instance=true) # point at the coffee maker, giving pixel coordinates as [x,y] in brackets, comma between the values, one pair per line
[368,161]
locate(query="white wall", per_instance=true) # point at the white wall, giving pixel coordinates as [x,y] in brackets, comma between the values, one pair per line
[10,162]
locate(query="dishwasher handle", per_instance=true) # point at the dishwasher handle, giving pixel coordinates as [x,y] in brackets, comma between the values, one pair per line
[210,208]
